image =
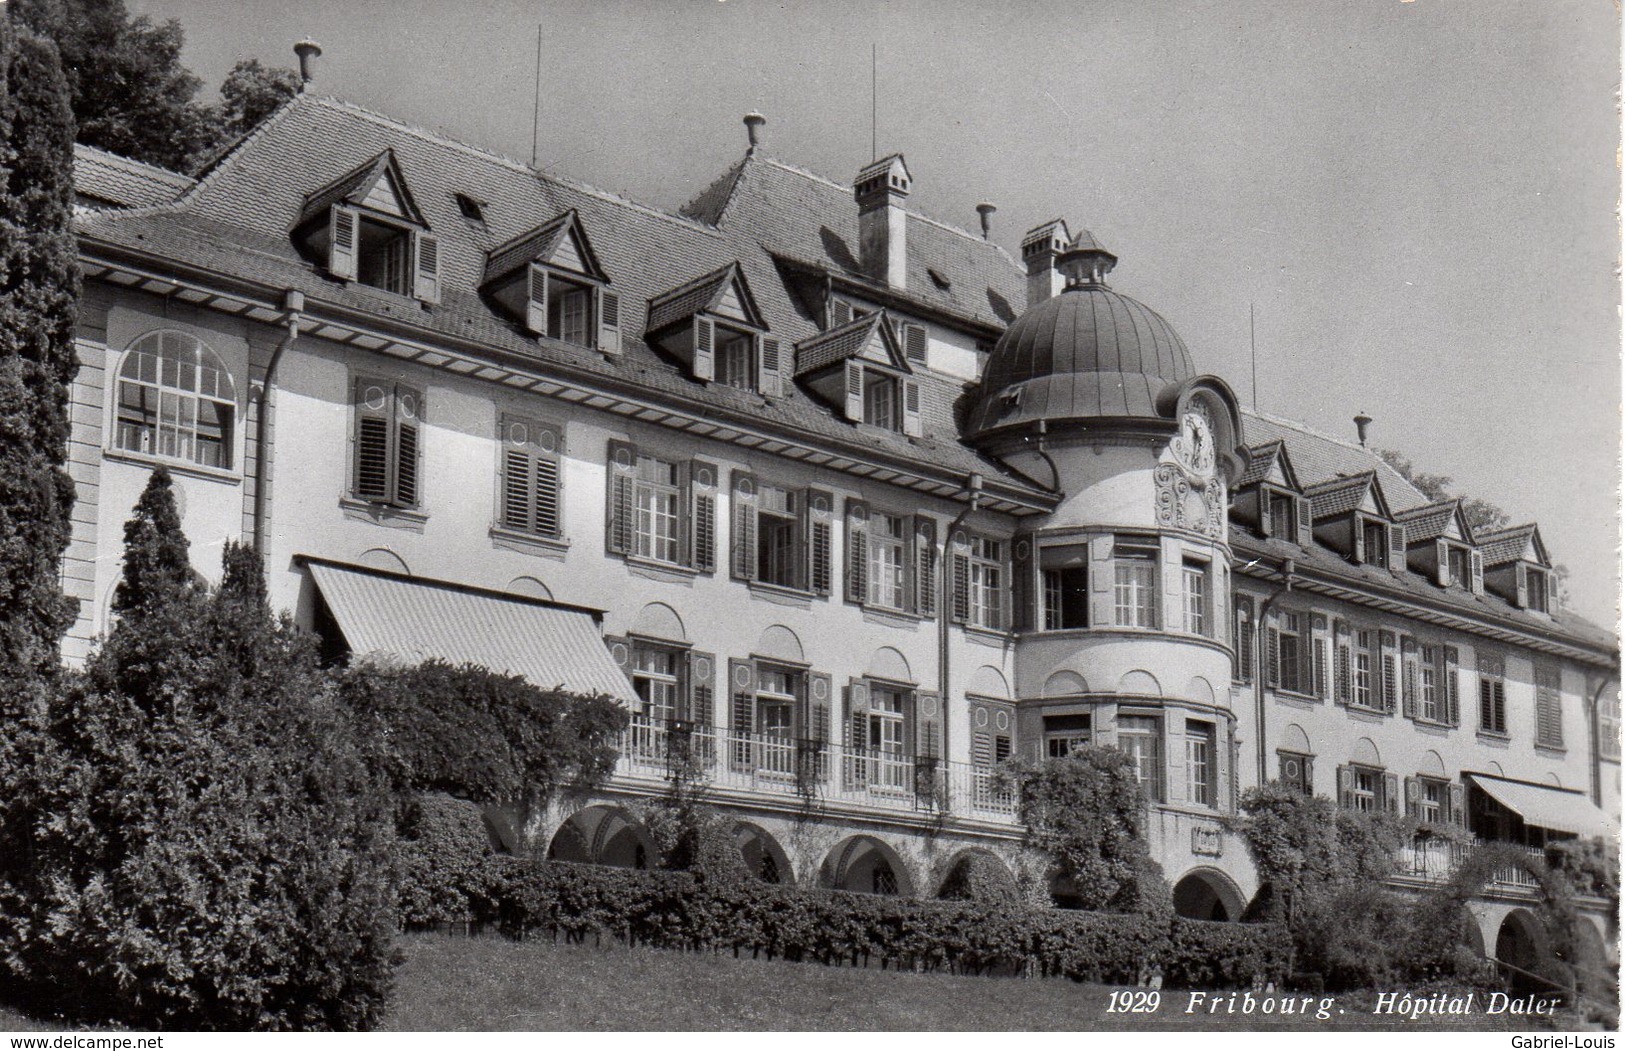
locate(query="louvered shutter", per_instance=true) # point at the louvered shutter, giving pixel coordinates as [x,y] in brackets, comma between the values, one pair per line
[621,515]
[530,477]
[1396,548]
[1450,677]
[536,300]
[1413,798]
[702,480]
[819,686]
[374,404]
[857,733]
[548,496]
[1441,556]
[1344,685]
[742,685]
[1476,559]
[817,517]
[854,392]
[1322,653]
[961,579]
[1521,574]
[425,267]
[620,651]
[1170,611]
[1390,793]
[1458,806]
[914,343]
[1389,664]
[1222,795]
[409,420]
[769,376]
[1306,521]
[744,526]
[857,551]
[1265,526]
[1242,623]
[1345,788]
[1359,539]
[343,231]
[840,312]
[518,476]
[925,561]
[1408,656]
[609,321]
[1272,652]
[701,708]
[911,409]
[1102,578]
[928,724]
[705,337]
[1021,585]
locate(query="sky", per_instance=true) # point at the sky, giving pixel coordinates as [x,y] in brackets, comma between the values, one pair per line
[1415,198]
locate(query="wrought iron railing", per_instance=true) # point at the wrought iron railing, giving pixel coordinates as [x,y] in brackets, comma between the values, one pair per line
[1436,860]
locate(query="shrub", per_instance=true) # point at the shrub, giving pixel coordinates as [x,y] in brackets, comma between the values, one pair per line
[440,860]
[979,878]
[1204,955]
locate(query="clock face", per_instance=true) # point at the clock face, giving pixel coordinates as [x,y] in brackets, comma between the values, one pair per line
[1195,448]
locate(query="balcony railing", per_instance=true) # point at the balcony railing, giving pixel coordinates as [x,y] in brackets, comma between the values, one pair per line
[1435,861]
[789,767]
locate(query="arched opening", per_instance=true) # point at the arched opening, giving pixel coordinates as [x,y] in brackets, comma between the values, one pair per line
[1520,948]
[976,874]
[865,865]
[1208,894]
[764,858]
[600,835]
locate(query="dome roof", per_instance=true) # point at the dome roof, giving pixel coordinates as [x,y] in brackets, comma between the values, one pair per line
[1087,353]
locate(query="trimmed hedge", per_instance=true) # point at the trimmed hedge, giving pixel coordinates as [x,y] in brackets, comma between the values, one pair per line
[676,910]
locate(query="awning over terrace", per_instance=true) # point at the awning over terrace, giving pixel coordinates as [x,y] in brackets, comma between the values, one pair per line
[415,619]
[1548,806]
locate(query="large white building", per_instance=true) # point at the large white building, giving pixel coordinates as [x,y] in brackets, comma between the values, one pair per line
[858,505]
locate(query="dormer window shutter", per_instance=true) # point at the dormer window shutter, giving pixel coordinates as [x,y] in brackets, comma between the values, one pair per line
[854,392]
[768,378]
[1396,547]
[705,350]
[536,301]
[1264,524]
[840,312]
[1523,585]
[911,409]
[609,321]
[914,342]
[1441,554]
[343,233]
[1359,540]
[1306,522]
[426,267]
[1477,561]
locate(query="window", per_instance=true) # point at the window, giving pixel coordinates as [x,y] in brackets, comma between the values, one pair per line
[1374,537]
[1241,628]
[1365,659]
[880,401]
[1065,734]
[1196,619]
[570,311]
[655,681]
[777,691]
[1066,587]
[385,256]
[891,560]
[1492,703]
[1283,517]
[781,536]
[982,584]
[1200,775]
[1548,706]
[780,717]
[1136,585]
[1366,791]
[1608,725]
[661,510]
[736,358]
[1291,657]
[674,687]
[776,524]
[1433,803]
[1458,564]
[1297,771]
[1538,591]
[388,422]
[884,738]
[912,337]
[175,400]
[655,532]
[1430,708]
[530,477]
[471,210]
[1141,737]
[887,539]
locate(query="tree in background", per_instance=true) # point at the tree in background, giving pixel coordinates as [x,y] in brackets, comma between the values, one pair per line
[130,92]
[1481,515]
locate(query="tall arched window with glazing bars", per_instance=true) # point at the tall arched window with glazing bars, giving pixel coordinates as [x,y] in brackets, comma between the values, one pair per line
[175,401]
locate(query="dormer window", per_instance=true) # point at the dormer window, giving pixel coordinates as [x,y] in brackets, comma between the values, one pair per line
[370,231]
[1538,587]
[550,279]
[1460,566]
[570,310]
[735,358]
[880,400]
[383,258]
[862,369]
[1374,542]
[713,327]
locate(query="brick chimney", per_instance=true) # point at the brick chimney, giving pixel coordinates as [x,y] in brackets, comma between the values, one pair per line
[880,190]
[1040,249]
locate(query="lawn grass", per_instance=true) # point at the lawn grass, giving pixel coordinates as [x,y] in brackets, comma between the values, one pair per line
[449,983]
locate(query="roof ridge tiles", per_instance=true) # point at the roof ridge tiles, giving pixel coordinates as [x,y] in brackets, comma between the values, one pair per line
[145,168]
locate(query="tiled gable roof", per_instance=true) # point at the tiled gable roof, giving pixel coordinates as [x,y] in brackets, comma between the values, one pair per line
[845,341]
[1260,458]
[709,204]
[1505,545]
[1339,496]
[1428,522]
[540,243]
[702,293]
[345,187]
[122,182]
[1318,457]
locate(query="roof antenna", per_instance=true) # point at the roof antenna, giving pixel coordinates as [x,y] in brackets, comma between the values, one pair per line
[1252,330]
[874,102]
[536,113]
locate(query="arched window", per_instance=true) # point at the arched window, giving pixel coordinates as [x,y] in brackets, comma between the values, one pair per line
[175,400]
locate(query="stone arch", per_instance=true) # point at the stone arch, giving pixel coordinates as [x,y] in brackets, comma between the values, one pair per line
[1522,952]
[1207,893]
[1365,752]
[1200,690]
[1553,779]
[1140,682]
[1492,767]
[384,558]
[1294,739]
[978,874]
[1064,684]
[529,587]
[602,835]
[764,857]
[656,620]
[888,663]
[779,643]
[988,681]
[867,865]
[1431,764]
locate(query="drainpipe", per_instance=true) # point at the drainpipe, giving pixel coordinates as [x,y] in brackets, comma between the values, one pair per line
[945,588]
[1054,471]
[1594,730]
[293,305]
[1289,570]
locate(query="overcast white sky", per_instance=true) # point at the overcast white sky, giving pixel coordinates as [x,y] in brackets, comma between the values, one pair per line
[1417,195]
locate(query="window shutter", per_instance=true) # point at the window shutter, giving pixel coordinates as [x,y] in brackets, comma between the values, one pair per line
[744,526]
[857,733]
[1306,521]
[914,342]
[373,409]
[925,558]
[961,570]
[1306,655]
[840,312]
[1272,653]
[705,337]
[1477,560]
[702,482]
[819,686]
[817,525]
[1359,539]
[1345,788]
[621,516]
[769,377]
[1102,577]
[620,651]
[1407,649]
[1345,661]
[1020,616]
[1222,796]
[1522,573]
[1390,793]
[1458,806]
[1452,686]
[702,670]
[1389,664]
[857,552]
[1265,526]
[425,267]
[742,683]
[549,510]
[1322,646]
[854,392]
[409,419]
[343,231]
[928,724]
[1242,622]
[1441,555]
[609,321]
[1413,797]
[518,474]
[1396,548]
[911,409]
[1486,704]
[536,300]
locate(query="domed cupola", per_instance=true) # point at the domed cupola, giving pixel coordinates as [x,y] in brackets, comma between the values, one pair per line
[1087,355]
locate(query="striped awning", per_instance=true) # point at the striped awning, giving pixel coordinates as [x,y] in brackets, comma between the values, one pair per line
[413,619]
[1548,806]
